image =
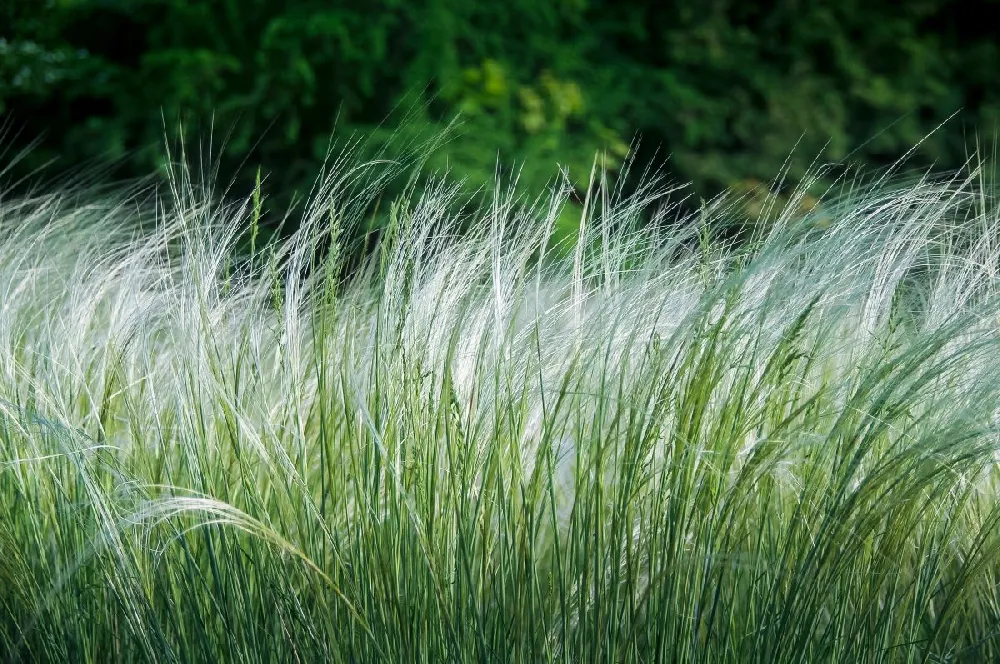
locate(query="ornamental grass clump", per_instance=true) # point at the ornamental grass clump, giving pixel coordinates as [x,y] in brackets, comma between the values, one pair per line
[486,442]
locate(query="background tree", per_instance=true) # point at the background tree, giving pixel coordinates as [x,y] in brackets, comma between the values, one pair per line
[719,92]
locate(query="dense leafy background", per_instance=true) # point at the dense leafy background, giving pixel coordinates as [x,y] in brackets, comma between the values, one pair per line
[725,89]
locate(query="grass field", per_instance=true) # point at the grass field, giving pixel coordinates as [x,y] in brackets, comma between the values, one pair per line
[649,445]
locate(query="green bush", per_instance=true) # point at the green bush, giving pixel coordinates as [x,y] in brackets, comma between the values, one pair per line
[719,92]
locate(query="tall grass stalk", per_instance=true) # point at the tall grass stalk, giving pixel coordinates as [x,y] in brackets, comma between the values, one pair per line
[652,445]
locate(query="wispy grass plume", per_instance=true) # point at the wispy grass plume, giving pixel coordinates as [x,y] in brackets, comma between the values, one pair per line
[483,445]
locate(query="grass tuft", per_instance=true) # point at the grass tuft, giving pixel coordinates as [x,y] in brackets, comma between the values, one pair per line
[490,443]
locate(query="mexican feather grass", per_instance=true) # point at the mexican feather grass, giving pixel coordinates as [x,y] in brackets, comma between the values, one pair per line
[487,443]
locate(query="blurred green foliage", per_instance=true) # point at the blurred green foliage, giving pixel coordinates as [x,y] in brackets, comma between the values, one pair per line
[719,91]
